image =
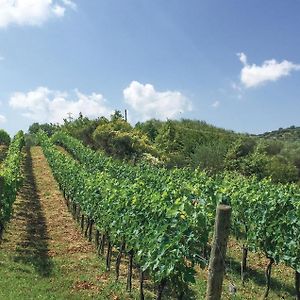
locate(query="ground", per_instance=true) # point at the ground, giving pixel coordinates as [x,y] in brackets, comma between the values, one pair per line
[43,254]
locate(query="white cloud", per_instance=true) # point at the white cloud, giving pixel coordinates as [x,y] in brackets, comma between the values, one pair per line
[58,10]
[243,58]
[1,58]
[31,12]
[148,103]
[2,119]
[216,104]
[236,87]
[270,70]
[45,105]
[70,4]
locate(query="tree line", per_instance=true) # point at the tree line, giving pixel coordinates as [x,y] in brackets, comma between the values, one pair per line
[186,143]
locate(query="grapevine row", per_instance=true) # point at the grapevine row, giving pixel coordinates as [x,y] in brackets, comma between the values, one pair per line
[266,216]
[10,179]
[163,230]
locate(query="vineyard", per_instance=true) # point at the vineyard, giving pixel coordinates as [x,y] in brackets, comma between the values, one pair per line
[160,222]
[10,179]
[3,151]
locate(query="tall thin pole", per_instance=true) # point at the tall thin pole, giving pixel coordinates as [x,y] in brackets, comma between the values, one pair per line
[70,116]
[126,115]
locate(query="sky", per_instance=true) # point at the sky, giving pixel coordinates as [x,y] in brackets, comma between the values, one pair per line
[234,64]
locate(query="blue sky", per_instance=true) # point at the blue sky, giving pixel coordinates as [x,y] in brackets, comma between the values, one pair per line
[234,64]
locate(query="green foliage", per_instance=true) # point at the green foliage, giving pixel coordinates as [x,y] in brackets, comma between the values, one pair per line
[210,156]
[10,178]
[286,144]
[183,143]
[151,209]
[82,128]
[30,140]
[117,115]
[49,129]
[119,139]
[281,170]
[169,138]
[187,143]
[241,148]
[4,138]
[3,152]
[151,128]
[272,147]
[267,215]
[157,202]
[290,134]
[246,157]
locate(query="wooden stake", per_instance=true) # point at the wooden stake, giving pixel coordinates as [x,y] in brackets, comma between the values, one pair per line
[217,257]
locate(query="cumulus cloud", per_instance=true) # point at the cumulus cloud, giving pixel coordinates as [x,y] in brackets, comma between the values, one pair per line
[45,105]
[216,104]
[31,12]
[148,103]
[2,119]
[270,70]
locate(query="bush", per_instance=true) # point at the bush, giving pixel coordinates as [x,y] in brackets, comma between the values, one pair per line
[281,170]
[210,156]
[119,139]
[4,138]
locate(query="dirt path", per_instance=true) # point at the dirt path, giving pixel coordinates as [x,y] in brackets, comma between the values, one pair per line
[27,236]
[64,237]
[43,254]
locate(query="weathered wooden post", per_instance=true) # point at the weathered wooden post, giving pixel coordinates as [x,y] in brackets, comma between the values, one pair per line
[217,257]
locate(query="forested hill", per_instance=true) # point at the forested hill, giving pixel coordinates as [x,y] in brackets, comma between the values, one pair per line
[290,134]
[187,143]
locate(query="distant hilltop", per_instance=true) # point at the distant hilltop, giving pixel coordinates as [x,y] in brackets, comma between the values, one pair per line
[291,133]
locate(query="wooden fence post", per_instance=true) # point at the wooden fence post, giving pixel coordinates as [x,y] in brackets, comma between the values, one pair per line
[216,267]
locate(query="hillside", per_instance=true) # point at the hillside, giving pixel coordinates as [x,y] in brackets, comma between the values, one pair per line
[290,134]
[188,143]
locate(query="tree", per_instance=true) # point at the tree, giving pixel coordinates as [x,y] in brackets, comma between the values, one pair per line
[117,115]
[247,157]
[48,128]
[118,138]
[210,156]
[151,128]
[281,170]
[4,138]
